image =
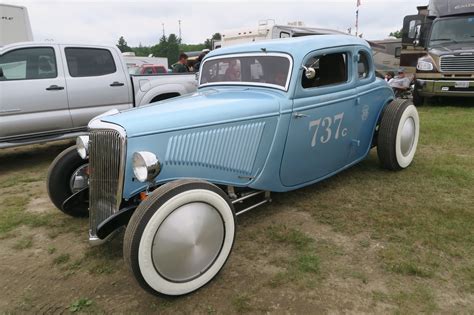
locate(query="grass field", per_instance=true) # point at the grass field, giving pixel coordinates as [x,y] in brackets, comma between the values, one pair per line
[364,241]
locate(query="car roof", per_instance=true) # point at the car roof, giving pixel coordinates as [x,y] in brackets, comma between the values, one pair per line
[298,47]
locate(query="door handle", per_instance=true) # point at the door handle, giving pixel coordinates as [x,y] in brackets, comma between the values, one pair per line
[299,115]
[116,83]
[54,88]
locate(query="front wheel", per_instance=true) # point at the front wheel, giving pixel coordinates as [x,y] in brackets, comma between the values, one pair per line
[180,237]
[398,135]
[68,174]
[418,100]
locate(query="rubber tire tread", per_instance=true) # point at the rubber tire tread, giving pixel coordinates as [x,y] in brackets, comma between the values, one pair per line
[387,133]
[141,216]
[59,175]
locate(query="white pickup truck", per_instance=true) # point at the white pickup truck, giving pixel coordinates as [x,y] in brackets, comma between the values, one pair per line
[51,91]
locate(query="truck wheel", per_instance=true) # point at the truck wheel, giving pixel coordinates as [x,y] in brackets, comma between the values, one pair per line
[180,237]
[67,175]
[398,135]
[418,100]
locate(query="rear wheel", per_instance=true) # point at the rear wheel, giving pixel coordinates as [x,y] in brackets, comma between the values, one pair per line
[180,237]
[68,174]
[398,135]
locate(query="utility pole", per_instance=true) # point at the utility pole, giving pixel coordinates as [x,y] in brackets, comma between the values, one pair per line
[179,22]
[163,26]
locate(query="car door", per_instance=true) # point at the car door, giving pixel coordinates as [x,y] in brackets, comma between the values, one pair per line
[97,82]
[33,94]
[321,133]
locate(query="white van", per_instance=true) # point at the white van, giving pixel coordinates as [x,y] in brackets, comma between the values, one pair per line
[14,25]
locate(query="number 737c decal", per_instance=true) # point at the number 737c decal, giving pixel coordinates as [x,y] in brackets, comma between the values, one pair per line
[328,128]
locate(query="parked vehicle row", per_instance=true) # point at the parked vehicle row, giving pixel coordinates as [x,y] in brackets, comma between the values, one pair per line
[51,91]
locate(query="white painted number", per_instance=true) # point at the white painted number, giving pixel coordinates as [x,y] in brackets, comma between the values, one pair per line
[327,123]
[311,125]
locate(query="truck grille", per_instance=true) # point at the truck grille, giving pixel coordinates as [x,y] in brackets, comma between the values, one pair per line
[457,64]
[106,149]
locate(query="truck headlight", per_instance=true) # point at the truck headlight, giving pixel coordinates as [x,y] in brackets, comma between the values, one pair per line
[145,166]
[82,146]
[424,66]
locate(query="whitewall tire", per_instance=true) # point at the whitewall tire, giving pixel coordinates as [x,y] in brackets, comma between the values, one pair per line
[398,135]
[180,237]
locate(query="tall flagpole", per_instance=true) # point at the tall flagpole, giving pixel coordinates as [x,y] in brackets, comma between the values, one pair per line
[357,18]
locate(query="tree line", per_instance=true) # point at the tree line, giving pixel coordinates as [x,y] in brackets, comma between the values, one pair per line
[168,46]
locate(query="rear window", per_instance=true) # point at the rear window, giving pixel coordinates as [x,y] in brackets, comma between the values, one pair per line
[89,62]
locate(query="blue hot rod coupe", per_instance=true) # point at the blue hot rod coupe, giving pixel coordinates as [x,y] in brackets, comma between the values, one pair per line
[268,117]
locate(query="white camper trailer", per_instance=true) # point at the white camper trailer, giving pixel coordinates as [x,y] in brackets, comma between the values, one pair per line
[267,29]
[14,25]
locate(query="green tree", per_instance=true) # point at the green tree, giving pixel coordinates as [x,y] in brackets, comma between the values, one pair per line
[142,51]
[396,34]
[209,41]
[122,45]
[172,51]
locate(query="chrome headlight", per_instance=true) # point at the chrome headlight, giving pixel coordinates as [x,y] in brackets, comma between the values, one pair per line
[82,146]
[145,166]
[424,66]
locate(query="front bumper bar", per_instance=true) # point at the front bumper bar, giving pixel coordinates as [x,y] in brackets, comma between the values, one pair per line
[455,88]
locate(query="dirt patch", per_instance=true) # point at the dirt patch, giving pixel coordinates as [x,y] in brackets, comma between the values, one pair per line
[39,205]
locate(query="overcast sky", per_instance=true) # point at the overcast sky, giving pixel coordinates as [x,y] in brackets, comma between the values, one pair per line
[140,21]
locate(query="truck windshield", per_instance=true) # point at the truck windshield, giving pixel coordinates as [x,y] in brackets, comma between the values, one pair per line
[452,30]
[271,70]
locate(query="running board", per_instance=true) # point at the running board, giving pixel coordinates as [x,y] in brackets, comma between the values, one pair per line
[249,199]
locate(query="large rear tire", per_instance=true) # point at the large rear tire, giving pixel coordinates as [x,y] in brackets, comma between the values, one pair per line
[180,237]
[67,175]
[398,135]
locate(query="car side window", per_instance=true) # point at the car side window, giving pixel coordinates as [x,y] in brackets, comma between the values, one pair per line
[363,67]
[29,64]
[89,62]
[330,69]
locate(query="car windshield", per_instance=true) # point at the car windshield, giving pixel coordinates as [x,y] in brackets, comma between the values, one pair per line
[452,30]
[271,70]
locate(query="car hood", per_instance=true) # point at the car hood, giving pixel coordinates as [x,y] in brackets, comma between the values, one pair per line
[206,107]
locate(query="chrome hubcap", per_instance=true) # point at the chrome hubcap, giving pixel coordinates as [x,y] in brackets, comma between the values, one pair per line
[188,242]
[79,179]
[408,136]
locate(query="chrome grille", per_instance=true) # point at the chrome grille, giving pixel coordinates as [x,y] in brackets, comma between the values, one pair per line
[457,64]
[106,150]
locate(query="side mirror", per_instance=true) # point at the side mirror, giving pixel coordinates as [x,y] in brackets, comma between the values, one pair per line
[309,73]
[1,72]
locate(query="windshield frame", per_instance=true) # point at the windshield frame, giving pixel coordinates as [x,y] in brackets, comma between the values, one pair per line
[442,19]
[246,83]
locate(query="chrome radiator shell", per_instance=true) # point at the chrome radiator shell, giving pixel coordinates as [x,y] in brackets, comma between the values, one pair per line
[107,149]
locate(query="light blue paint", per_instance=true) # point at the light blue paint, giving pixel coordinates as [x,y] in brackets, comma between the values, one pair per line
[249,136]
